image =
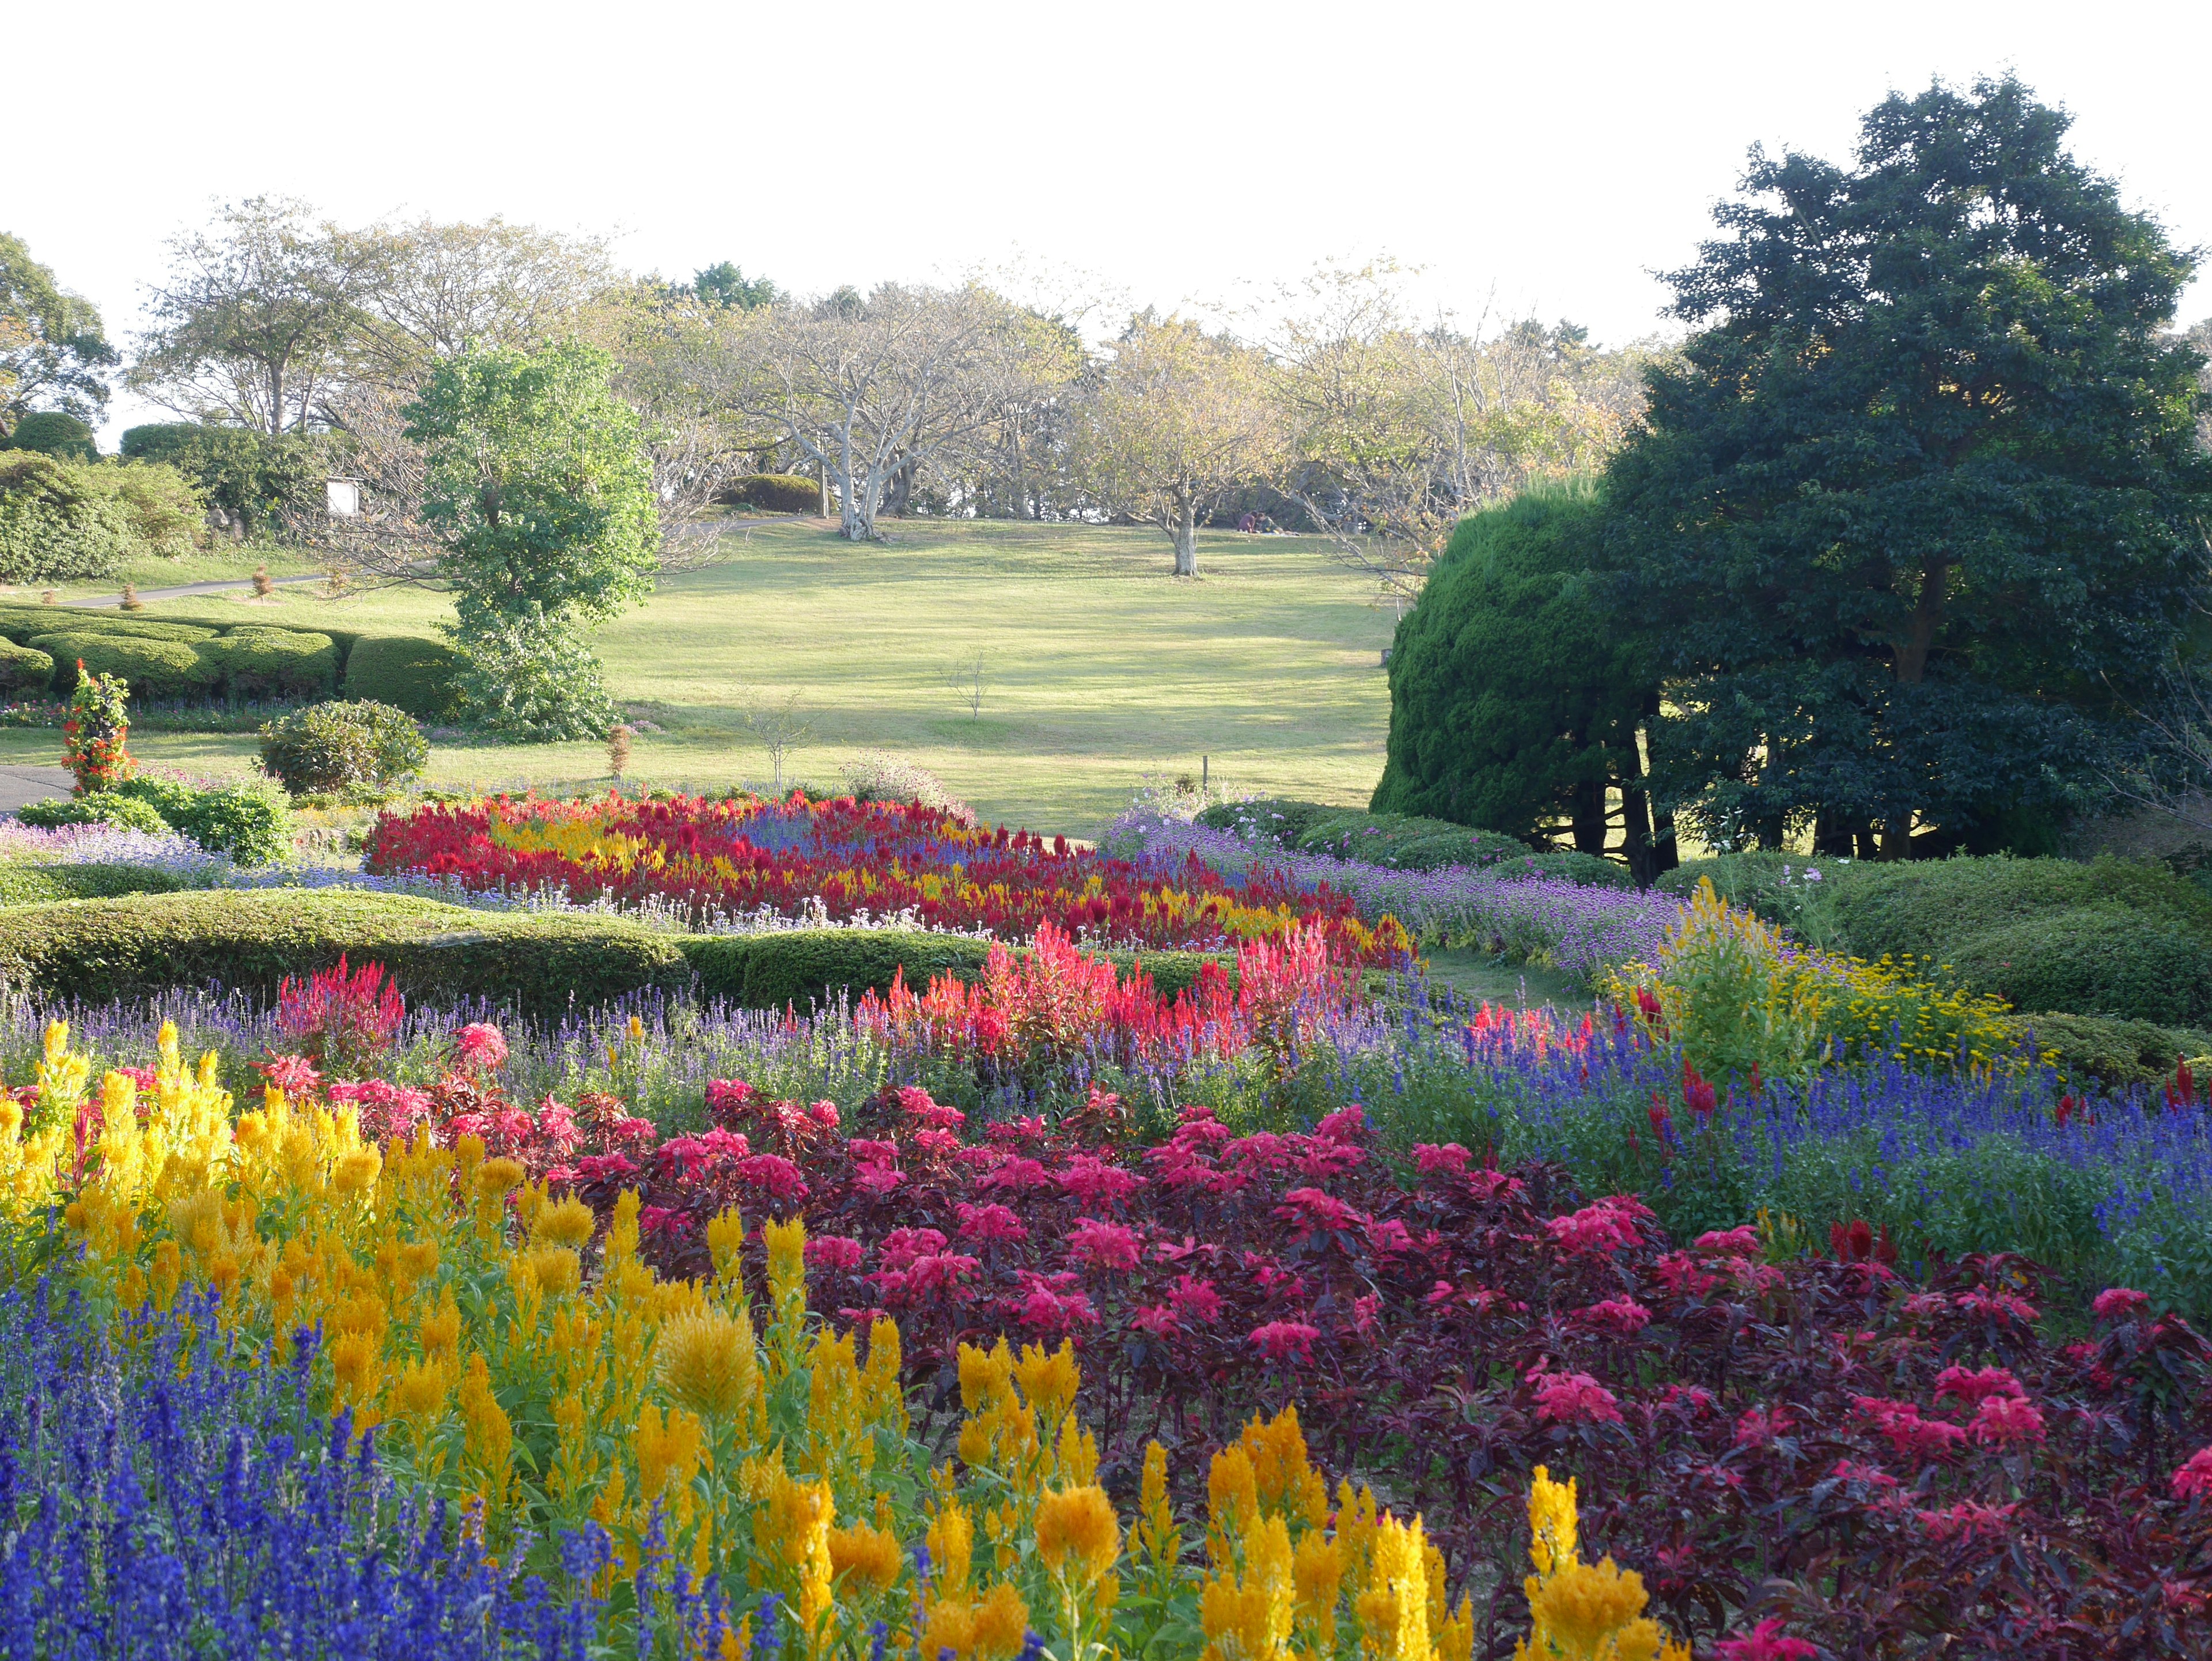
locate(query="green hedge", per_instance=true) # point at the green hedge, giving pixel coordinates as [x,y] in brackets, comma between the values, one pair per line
[2114,1053]
[63,619]
[121,948]
[802,966]
[274,662]
[34,884]
[25,672]
[2102,960]
[408,673]
[155,668]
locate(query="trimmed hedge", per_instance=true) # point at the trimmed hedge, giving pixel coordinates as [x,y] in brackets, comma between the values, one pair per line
[101,807]
[35,885]
[405,672]
[155,668]
[274,662]
[63,620]
[2102,960]
[773,493]
[799,967]
[24,669]
[253,939]
[2115,1053]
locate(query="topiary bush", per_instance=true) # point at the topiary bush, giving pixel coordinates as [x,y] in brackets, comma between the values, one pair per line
[100,807]
[773,493]
[251,823]
[255,663]
[27,624]
[330,748]
[406,672]
[1406,841]
[2102,960]
[25,671]
[155,667]
[52,433]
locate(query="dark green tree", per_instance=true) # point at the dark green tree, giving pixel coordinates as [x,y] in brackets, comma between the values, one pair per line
[52,433]
[538,481]
[1918,510]
[726,286]
[1516,696]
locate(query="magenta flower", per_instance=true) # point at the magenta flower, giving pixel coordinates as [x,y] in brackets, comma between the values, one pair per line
[1623,1317]
[2117,1302]
[986,1223]
[1764,1642]
[1286,1341]
[2194,1480]
[1570,1398]
[1103,1245]
[838,1252]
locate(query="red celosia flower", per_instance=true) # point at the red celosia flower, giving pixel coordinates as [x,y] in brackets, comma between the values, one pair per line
[604,1167]
[839,1251]
[1972,1387]
[2119,1303]
[295,1075]
[481,1047]
[1573,1399]
[1761,1425]
[1740,1241]
[986,1223]
[1018,1176]
[2008,1421]
[2194,1480]
[1764,1642]
[1449,1160]
[774,1173]
[867,1151]
[1286,1341]
[729,1099]
[1312,1211]
[1389,1238]
[1092,1180]
[824,1115]
[1103,1245]
[2003,1307]
[1621,1316]
[1968,1520]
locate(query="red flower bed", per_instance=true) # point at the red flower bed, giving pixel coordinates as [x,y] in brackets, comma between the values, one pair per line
[881,859]
[1806,1447]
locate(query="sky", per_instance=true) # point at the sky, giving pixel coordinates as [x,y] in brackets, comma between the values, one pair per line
[1526,160]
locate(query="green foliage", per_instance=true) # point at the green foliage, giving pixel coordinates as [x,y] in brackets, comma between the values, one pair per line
[155,667]
[2117,1053]
[773,493]
[24,670]
[250,475]
[1516,696]
[2093,961]
[1918,510]
[23,884]
[724,284]
[1282,819]
[57,525]
[74,621]
[1405,842]
[254,663]
[100,807]
[125,948]
[538,483]
[52,349]
[250,822]
[334,749]
[409,673]
[52,433]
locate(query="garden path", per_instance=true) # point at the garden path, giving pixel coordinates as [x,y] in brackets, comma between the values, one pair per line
[21,786]
[185,591]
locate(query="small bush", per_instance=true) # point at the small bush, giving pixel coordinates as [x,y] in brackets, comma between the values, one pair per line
[56,523]
[28,623]
[1566,865]
[24,670]
[876,776]
[156,668]
[2116,1054]
[773,493]
[2093,961]
[1280,819]
[249,822]
[329,749]
[36,884]
[52,433]
[405,672]
[101,807]
[274,663]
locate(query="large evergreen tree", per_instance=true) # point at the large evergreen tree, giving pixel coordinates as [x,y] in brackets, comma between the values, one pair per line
[1515,698]
[1919,509]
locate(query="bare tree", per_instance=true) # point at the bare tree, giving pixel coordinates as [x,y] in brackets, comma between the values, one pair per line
[971,680]
[873,390]
[778,725]
[1173,419]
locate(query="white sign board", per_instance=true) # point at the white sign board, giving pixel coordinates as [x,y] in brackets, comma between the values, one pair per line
[342,497]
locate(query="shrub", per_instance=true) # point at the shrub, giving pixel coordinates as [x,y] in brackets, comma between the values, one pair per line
[405,672]
[96,734]
[274,662]
[876,776]
[253,939]
[34,884]
[1566,865]
[101,807]
[155,667]
[52,433]
[24,669]
[249,822]
[1282,819]
[250,475]
[1406,841]
[773,493]
[57,525]
[2118,1054]
[1926,908]
[2093,961]
[30,625]
[328,749]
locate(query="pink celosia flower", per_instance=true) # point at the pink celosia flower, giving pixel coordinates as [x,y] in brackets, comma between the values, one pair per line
[295,1075]
[1683,1277]
[2194,1480]
[1448,1159]
[1364,1311]
[839,1251]
[936,1144]
[1092,1180]
[986,1223]
[824,1115]
[1103,1245]
[1570,1398]
[2003,1307]
[2008,1421]
[903,1245]
[1312,1211]
[1908,1432]
[657,1219]
[604,1167]
[481,1047]
[1195,1301]
[1286,1341]
[729,1097]
[1602,1225]
[1739,1242]
[1016,1175]
[1623,1317]
[1046,1308]
[1156,1318]
[1694,1399]
[1971,1387]
[1389,1238]
[878,1179]
[1968,1520]
[2117,1302]
[1347,1124]
[864,1151]
[1872,1476]
[916,1105]
[1758,1427]
[1491,1183]
[774,1173]
[1764,1642]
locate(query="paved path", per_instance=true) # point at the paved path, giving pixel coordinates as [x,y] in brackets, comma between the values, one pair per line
[185,591]
[21,786]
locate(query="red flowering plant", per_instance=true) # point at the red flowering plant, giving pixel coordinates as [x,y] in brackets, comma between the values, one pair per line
[344,1021]
[93,734]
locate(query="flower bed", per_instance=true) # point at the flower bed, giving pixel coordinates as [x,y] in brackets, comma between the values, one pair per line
[716,858]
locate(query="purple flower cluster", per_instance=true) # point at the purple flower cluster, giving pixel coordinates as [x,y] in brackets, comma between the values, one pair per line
[1575,930]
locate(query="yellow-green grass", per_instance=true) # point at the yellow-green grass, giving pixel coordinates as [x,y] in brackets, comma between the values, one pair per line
[1104,668]
[225,562]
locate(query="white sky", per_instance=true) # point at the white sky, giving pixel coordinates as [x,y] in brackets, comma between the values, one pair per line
[1552,157]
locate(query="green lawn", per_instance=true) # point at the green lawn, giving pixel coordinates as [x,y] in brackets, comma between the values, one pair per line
[1106,669]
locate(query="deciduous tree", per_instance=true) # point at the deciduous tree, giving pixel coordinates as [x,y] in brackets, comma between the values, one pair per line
[52,349]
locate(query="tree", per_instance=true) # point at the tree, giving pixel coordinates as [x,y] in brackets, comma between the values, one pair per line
[1920,508]
[52,349]
[1516,700]
[1176,418]
[538,484]
[874,390]
[725,285]
[254,323]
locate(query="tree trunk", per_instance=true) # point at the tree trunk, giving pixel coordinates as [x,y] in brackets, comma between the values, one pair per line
[1587,817]
[823,469]
[1186,538]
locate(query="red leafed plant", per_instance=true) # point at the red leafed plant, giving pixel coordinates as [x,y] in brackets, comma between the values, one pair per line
[343,1020]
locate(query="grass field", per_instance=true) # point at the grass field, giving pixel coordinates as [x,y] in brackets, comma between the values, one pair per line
[1104,668]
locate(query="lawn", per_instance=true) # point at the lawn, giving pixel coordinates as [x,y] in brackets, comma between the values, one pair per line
[1105,669]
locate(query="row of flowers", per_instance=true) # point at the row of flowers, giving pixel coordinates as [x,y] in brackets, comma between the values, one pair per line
[522,1294]
[721,858]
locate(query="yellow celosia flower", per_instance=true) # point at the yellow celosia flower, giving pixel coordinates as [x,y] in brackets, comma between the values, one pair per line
[708,1361]
[1317,1580]
[1394,1608]
[1077,1531]
[951,1543]
[565,1222]
[1232,1497]
[1552,1524]
[1582,1607]
[497,1179]
[1001,1624]
[869,1555]
[726,1239]
[1049,1382]
[666,1450]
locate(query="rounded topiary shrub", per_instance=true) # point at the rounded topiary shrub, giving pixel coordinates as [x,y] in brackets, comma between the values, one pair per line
[2093,961]
[155,668]
[333,749]
[24,670]
[52,433]
[274,662]
[773,493]
[101,807]
[406,672]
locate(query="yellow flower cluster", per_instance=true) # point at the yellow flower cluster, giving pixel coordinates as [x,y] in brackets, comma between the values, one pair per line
[1734,992]
[515,1354]
[1582,1611]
